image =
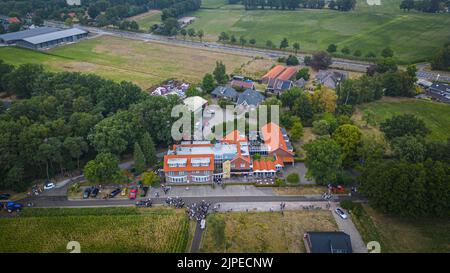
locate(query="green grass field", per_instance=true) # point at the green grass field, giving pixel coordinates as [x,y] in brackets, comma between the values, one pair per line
[417,235]
[213,4]
[435,115]
[413,36]
[96,229]
[145,64]
[148,19]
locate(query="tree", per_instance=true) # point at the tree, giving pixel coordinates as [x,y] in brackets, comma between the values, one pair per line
[208,84]
[320,60]
[242,41]
[296,47]
[357,53]
[407,5]
[386,65]
[332,48]
[345,50]
[37,20]
[303,73]
[269,44]
[191,33]
[223,37]
[409,148]
[139,158]
[441,59]
[183,32]
[348,137]
[369,117]
[387,52]
[302,108]
[321,127]
[148,148]
[411,70]
[252,41]
[284,43]
[297,131]
[150,178]
[200,34]
[289,96]
[324,100]
[402,125]
[323,160]
[220,74]
[93,11]
[103,169]
[233,39]
[20,81]
[292,60]
[192,92]
[13,27]
[76,146]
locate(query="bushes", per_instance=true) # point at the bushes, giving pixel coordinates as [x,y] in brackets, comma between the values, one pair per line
[293,178]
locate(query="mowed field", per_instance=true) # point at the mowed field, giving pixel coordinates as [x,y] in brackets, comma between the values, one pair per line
[96,229]
[435,115]
[143,63]
[412,35]
[148,19]
[263,231]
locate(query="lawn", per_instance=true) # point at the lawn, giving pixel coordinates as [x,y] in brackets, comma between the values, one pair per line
[148,19]
[213,4]
[143,63]
[435,115]
[263,231]
[412,35]
[417,235]
[125,229]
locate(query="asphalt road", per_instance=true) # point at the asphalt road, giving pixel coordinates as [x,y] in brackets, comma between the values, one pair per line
[197,238]
[62,201]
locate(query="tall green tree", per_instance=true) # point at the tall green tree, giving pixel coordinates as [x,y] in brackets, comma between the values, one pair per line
[220,73]
[148,148]
[402,125]
[208,84]
[139,158]
[323,160]
[348,137]
[284,43]
[76,146]
[103,169]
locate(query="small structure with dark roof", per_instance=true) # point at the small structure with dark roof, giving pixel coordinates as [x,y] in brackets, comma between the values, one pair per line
[330,78]
[250,97]
[226,92]
[327,242]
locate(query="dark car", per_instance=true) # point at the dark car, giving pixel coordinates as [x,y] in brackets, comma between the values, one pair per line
[94,192]
[87,193]
[11,206]
[114,193]
[4,196]
[144,191]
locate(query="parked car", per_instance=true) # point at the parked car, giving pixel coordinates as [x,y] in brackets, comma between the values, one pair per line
[144,191]
[202,224]
[49,186]
[87,193]
[12,206]
[341,213]
[133,193]
[114,193]
[94,192]
[4,196]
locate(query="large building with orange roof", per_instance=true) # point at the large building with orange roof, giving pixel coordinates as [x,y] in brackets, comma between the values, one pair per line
[277,142]
[279,78]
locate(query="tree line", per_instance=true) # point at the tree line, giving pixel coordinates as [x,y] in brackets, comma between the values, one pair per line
[64,120]
[430,6]
[341,5]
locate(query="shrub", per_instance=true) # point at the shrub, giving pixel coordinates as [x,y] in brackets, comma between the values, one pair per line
[293,178]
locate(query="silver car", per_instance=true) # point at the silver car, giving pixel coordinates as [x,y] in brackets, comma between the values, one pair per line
[341,213]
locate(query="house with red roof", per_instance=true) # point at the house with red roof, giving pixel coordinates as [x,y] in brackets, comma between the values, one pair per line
[279,78]
[13,20]
[277,142]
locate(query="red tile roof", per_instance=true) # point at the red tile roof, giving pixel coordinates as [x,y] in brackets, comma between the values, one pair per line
[235,136]
[273,137]
[242,84]
[274,72]
[288,73]
[261,165]
[13,20]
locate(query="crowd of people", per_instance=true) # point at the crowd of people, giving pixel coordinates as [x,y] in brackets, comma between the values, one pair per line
[176,202]
[198,211]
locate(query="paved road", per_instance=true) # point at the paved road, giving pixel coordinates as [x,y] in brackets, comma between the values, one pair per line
[61,201]
[348,227]
[197,238]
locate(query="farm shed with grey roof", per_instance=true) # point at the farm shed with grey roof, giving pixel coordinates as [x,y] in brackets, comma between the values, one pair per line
[53,39]
[10,38]
[225,92]
[327,242]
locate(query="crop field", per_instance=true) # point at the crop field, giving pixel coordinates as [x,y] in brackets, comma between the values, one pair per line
[124,229]
[263,231]
[435,115]
[119,59]
[412,35]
